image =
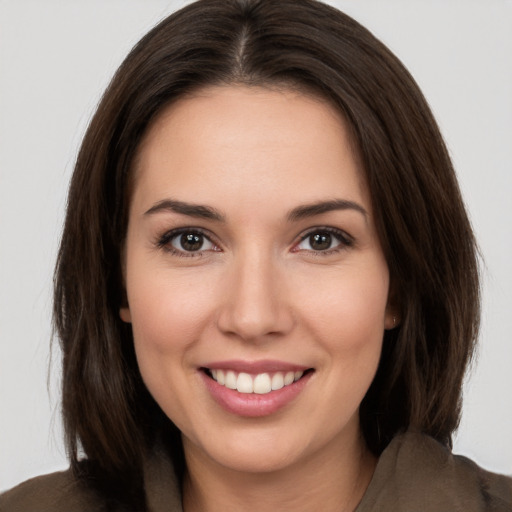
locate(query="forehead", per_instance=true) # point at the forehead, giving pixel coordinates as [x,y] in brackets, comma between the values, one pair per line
[255,139]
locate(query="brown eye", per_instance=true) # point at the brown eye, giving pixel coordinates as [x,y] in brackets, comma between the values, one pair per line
[320,241]
[191,241]
[324,240]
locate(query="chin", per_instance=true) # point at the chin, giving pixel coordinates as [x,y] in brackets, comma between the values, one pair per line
[256,460]
[253,451]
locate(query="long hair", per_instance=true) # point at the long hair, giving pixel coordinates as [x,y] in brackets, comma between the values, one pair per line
[420,217]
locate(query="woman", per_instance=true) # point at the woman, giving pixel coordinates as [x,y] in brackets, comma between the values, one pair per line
[258,292]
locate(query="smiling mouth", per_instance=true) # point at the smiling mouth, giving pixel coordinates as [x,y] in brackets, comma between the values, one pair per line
[261,383]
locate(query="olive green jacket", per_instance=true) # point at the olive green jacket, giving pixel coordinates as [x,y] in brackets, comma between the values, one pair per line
[414,474]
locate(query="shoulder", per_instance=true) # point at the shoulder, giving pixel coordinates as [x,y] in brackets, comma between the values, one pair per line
[416,472]
[455,475]
[50,493]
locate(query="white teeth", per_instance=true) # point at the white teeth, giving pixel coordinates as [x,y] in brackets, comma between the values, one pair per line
[277,381]
[244,383]
[261,383]
[289,378]
[230,380]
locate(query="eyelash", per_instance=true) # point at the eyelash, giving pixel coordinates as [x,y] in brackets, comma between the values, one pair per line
[164,241]
[344,239]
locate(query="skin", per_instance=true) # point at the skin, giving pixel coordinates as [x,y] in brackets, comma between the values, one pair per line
[258,288]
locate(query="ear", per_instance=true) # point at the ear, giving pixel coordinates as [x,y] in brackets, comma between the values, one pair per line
[392,316]
[124,310]
[391,319]
[125,314]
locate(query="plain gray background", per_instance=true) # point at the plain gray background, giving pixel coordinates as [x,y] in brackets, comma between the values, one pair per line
[56,57]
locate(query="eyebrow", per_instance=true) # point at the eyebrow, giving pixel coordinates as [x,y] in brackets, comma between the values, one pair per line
[298,213]
[310,210]
[190,209]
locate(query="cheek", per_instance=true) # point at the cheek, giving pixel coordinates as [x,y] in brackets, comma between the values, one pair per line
[167,316]
[168,312]
[349,307]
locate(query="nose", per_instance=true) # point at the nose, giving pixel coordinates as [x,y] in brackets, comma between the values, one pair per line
[255,306]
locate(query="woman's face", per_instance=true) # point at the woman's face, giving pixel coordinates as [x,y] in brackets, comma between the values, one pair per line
[252,262]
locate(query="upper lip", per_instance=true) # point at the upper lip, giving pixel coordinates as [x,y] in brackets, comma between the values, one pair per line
[255,367]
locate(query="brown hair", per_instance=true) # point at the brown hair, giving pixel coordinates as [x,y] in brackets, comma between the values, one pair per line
[420,216]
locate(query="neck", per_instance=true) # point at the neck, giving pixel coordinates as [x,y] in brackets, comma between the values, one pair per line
[334,480]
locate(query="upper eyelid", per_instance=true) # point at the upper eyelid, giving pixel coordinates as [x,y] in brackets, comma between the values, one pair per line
[187,229]
[346,241]
[331,230]
[168,235]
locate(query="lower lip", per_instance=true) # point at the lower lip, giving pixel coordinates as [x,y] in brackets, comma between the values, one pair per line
[254,405]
